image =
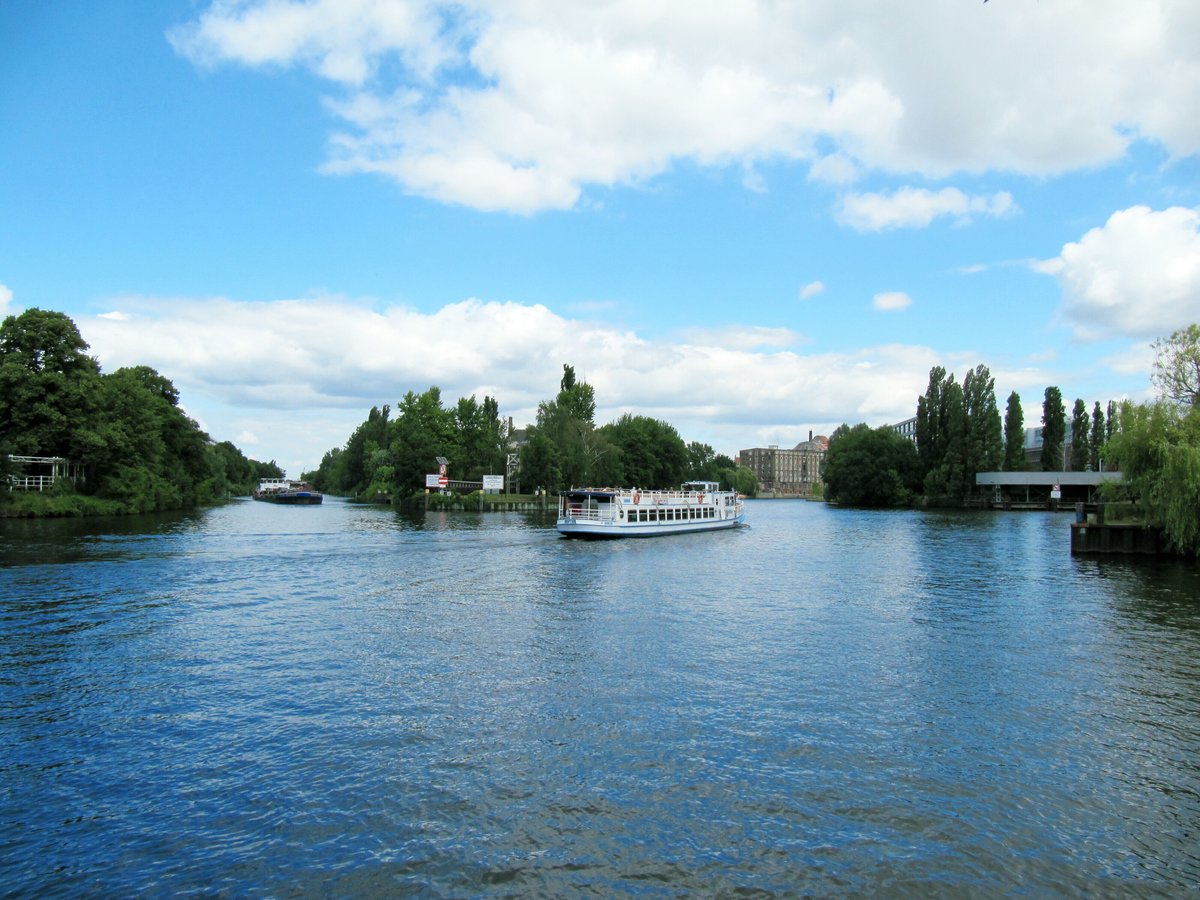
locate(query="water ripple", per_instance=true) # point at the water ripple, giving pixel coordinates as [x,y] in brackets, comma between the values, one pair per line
[260,701]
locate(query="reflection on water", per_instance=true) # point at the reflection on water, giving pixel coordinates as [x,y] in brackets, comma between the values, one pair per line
[344,700]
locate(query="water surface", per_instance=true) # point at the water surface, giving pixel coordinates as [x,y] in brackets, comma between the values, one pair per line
[260,700]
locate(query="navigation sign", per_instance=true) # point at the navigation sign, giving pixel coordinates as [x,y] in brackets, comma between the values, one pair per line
[432,481]
[1056,491]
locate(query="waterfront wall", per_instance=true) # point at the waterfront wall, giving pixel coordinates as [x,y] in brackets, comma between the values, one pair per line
[1131,539]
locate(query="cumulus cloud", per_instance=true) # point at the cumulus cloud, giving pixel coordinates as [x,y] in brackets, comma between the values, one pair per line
[521,107]
[918,207]
[301,390]
[1138,275]
[891,301]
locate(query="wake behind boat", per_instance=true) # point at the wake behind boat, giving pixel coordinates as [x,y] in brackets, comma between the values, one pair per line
[629,512]
[282,490]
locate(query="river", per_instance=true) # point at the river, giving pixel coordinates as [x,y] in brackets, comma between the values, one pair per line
[256,700]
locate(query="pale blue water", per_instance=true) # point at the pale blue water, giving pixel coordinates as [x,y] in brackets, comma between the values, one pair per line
[339,701]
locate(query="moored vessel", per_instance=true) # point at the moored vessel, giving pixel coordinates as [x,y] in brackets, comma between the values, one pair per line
[283,490]
[630,512]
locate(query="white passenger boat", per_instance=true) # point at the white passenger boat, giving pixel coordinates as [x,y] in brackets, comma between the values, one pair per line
[629,512]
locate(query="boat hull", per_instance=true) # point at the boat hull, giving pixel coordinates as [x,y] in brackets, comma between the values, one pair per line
[296,499]
[697,506]
[607,531]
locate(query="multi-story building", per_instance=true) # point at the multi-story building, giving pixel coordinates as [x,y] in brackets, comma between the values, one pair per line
[792,472]
[907,428]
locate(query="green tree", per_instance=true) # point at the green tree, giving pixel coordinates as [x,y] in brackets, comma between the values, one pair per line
[1054,430]
[539,464]
[1177,367]
[1014,434]
[567,422]
[48,385]
[1080,448]
[932,426]
[1157,448]
[353,470]
[653,454]
[482,438]
[578,399]
[985,443]
[422,432]
[738,478]
[950,481]
[701,462]
[871,467]
[1097,438]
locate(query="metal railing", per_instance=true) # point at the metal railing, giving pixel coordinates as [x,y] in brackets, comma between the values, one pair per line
[30,482]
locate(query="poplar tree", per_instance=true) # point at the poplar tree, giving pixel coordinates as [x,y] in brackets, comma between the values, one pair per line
[1097,441]
[1080,448]
[1054,430]
[1014,434]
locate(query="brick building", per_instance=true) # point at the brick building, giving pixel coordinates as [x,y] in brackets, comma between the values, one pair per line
[792,472]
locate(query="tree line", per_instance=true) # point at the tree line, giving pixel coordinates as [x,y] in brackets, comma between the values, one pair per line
[959,432]
[389,455]
[1155,445]
[123,431]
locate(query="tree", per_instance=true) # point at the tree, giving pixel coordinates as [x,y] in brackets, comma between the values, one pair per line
[577,399]
[1157,448]
[930,427]
[1177,367]
[1054,430]
[652,453]
[1080,448]
[539,463]
[985,446]
[357,466]
[871,467]
[423,431]
[1096,443]
[48,385]
[1014,434]
[482,440]
[949,482]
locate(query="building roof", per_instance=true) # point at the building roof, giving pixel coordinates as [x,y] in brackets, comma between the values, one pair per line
[1078,479]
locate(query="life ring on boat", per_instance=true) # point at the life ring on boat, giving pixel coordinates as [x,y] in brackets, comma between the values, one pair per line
[637,497]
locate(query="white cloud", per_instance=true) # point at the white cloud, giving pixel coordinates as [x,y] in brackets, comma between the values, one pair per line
[812,289]
[917,208]
[6,296]
[302,390]
[891,301]
[1137,276]
[521,106]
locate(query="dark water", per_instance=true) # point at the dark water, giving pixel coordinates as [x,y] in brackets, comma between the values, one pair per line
[339,701]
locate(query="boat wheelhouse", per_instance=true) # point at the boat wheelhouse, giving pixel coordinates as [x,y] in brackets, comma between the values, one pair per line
[630,512]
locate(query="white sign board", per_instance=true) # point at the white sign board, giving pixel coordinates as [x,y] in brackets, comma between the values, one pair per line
[432,481]
[493,482]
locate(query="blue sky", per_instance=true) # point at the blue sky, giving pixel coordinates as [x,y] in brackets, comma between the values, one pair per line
[751,220]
